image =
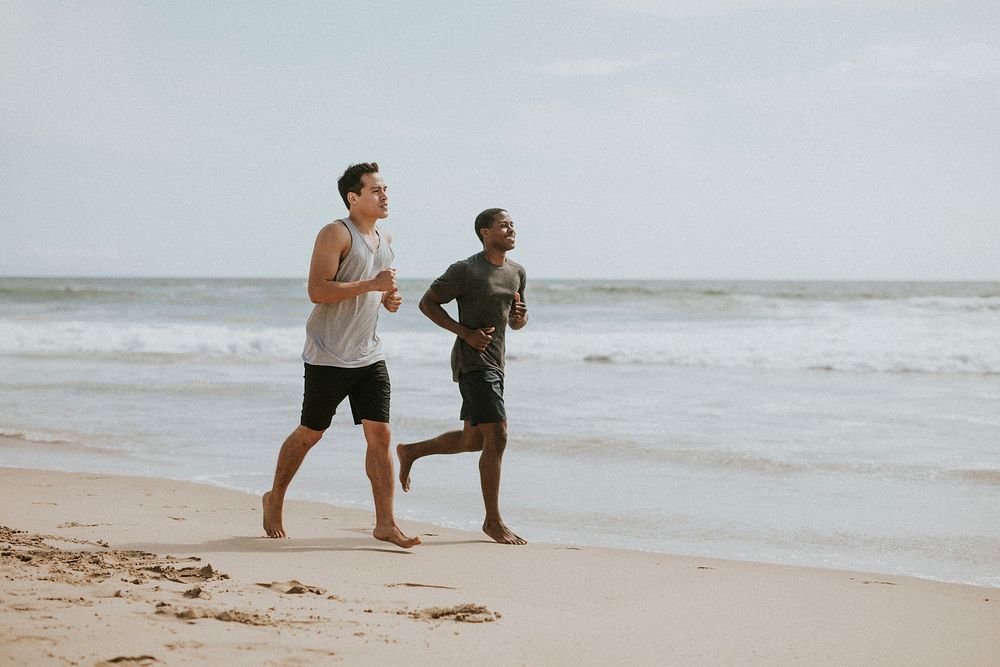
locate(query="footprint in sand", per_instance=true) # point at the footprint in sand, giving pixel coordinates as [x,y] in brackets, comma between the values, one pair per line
[75,524]
[129,660]
[197,592]
[186,575]
[463,613]
[293,587]
[412,585]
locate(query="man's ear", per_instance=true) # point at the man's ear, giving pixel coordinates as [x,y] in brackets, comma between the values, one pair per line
[351,199]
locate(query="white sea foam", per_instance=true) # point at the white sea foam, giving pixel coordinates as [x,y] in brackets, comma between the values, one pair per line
[833,344]
[854,345]
[83,337]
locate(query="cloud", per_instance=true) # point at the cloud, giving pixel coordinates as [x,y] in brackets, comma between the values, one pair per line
[588,67]
[105,76]
[601,66]
[75,255]
[632,127]
[56,69]
[703,8]
[910,67]
[713,8]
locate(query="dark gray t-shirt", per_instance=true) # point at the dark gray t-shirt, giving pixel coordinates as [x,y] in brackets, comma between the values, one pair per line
[484,293]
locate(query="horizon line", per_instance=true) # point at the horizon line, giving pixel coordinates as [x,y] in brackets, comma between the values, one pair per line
[578,279]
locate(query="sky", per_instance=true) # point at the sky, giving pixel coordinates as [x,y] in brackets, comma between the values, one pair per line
[628,139]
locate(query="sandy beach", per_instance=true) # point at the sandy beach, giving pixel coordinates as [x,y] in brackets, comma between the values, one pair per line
[125,570]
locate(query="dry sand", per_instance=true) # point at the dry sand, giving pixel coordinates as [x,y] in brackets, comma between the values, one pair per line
[99,569]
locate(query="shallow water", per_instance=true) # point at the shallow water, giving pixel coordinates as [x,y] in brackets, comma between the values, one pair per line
[850,425]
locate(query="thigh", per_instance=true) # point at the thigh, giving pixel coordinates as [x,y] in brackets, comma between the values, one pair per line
[370,394]
[325,388]
[482,397]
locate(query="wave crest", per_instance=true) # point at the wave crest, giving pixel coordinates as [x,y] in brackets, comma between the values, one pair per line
[36,338]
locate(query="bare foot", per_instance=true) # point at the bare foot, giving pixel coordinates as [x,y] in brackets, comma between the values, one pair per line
[404,466]
[502,534]
[272,517]
[395,535]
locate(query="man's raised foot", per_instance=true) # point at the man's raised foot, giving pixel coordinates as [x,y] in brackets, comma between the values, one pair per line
[404,466]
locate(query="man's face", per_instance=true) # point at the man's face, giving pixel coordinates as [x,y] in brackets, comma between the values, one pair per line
[500,234]
[373,202]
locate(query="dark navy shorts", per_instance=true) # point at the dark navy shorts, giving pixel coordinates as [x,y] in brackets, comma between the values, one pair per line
[482,397]
[326,387]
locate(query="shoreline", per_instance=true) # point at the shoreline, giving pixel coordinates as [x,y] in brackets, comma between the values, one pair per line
[133,554]
[21,441]
[843,562]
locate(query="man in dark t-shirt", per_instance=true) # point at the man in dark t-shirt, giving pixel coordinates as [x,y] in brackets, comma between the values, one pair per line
[489,289]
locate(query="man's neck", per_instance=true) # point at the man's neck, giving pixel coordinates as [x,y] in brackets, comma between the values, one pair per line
[494,256]
[364,225]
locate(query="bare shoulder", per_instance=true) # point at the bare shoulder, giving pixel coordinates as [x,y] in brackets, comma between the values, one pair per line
[334,237]
[333,232]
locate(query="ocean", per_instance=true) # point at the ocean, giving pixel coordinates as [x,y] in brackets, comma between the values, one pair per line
[842,425]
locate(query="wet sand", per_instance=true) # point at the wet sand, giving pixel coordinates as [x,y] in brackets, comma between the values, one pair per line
[131,571]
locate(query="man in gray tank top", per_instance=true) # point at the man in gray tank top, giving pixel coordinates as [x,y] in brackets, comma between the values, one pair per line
[350,278]
[489,289]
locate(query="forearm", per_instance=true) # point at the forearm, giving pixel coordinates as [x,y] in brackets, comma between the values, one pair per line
[332,291]
[439,316]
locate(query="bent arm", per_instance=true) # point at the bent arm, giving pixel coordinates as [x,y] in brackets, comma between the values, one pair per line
[332,243]
[478,339]
[431,306]
[518,312]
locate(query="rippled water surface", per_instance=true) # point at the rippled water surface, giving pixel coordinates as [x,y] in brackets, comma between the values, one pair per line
[851,425]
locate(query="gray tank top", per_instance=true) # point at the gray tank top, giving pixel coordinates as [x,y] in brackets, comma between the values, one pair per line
[344,334]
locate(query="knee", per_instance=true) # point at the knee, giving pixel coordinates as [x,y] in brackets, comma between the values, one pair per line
[500,431]
[495,436]
[308,437]
[378,435]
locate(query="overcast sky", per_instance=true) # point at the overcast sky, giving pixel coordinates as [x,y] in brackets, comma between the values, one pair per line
[724,139]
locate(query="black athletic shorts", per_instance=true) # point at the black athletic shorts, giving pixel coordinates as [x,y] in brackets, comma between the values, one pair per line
[482,397]
[327,386]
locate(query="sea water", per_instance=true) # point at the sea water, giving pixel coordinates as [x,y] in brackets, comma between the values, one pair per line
[844,425]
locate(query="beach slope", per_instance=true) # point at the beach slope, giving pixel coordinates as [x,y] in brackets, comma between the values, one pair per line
[130,571]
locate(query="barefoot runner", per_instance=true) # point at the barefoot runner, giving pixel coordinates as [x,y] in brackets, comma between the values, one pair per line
[489,289]
[349,278]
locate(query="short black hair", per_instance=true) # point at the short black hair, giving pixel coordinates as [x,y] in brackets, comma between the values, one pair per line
[485,219]
[351,180]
